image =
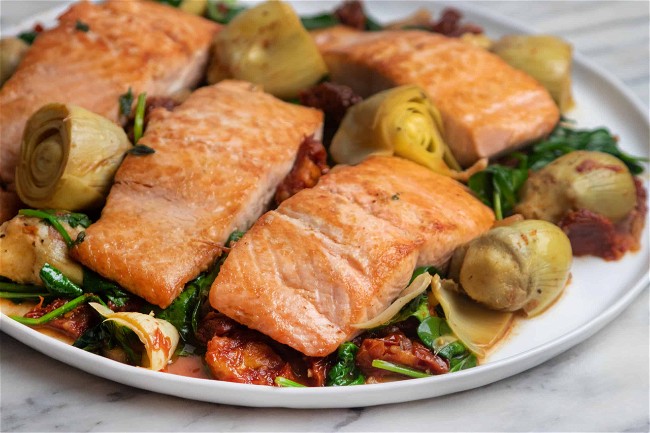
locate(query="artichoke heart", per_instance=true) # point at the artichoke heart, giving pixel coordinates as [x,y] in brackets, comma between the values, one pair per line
[267,45]
[419,285]
[545,58]
[582,179]
[399,121]
[159,337]
[476,326]
[68,158]
[12,51]
[521,266]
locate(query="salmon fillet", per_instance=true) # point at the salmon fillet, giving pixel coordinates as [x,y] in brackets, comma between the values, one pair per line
[341,252]
[487,106]
[219,158]
[143,45]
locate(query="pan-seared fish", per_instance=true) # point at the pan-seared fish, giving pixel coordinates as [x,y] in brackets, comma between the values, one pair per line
[218,159]
[146,46]
[340,253]
[487,106]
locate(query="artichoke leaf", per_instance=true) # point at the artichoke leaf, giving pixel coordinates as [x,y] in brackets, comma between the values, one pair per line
[479,328]
[400,121]
[419,285]
[159,337]
[68,158]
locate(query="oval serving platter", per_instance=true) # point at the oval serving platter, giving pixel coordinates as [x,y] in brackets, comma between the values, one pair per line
[599,290]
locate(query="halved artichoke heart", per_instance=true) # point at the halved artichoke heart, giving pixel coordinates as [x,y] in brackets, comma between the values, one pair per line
[68,158]
[267,45]
[477,327]
[159,337]
[399,121]
[545,58]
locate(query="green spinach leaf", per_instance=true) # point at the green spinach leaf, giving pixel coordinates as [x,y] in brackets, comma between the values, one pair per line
[58,284]
[345,371]
[498,186]
[565,139]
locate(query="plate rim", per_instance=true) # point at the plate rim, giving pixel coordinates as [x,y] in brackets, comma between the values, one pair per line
[376,394]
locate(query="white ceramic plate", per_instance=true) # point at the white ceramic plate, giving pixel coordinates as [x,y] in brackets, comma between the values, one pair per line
[598,293]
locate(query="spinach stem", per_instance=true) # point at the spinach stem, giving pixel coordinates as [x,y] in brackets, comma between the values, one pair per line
[496,198]
[15,287]
[406,371]
[69,306]
[287,383]
[22,295]
[52,219]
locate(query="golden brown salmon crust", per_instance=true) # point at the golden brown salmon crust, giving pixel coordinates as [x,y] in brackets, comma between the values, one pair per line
[340,253]
[218,160]
[487,106]
[146,46]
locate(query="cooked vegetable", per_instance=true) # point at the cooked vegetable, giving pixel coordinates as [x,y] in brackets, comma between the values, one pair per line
[524,265]
[58,284]
[545,58]
[267,45]
[497,186]
[95,283]
[159,337]
[345,371]
[68,158]
[28,243]
[195,7]
[138,122]
[12,51]
[56,219]
[56,313]
[400,121]
[476,327]
[565,139]
[594,181]
[287,383]
[420,284]
[223,11]
[396,368]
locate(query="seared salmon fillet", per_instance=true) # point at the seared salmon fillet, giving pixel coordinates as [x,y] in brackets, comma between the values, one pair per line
[146,46]
[218,159]
[341,252]
[487,106]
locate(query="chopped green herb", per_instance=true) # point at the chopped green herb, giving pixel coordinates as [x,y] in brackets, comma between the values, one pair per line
[28,37]
[287,383]
[126,103]
[395,368]
[345,371]
[81,26]
[140,150]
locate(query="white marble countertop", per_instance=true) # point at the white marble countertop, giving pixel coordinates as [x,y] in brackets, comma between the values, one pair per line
[599,385]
